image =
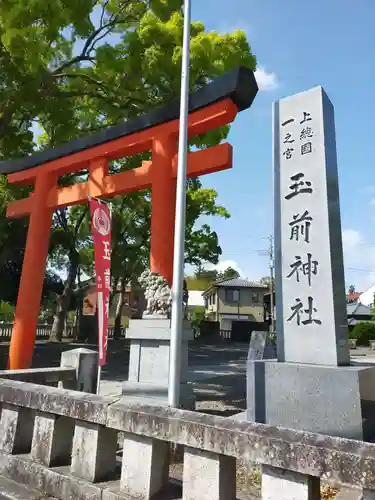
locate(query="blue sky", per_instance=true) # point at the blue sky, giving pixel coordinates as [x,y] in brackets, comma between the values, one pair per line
[300,45]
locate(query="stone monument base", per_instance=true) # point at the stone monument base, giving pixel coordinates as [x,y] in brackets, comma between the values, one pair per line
[337,401]
[149,363]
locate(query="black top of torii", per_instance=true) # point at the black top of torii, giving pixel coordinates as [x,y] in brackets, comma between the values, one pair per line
[239,85]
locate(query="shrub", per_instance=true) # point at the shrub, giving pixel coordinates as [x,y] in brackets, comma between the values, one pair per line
[363,332]
[6,311]
[196,319]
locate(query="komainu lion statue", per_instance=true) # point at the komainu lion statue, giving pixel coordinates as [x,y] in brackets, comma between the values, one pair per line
[158,294]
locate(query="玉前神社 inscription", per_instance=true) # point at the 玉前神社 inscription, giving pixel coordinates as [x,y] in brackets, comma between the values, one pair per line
[301,136]
[310,296]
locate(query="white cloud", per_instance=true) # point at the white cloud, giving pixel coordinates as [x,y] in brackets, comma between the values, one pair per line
[267,81]
[231,28]
[224,264]
[351,239]
[372,202]
[359,260]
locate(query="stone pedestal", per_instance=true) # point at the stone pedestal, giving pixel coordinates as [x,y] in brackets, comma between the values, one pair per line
[149,363]
[332,400]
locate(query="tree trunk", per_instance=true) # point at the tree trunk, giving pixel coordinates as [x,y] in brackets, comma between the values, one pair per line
[119,306]
[63,300]
[62,307]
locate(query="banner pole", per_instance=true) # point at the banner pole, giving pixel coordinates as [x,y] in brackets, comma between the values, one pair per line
[101,234]
[180,223]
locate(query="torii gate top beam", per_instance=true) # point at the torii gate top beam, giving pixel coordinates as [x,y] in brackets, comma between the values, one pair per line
[238,85]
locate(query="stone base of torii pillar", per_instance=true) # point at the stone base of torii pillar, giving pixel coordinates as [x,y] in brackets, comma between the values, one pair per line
[149,363]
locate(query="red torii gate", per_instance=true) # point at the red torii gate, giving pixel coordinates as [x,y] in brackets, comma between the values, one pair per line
[214,105]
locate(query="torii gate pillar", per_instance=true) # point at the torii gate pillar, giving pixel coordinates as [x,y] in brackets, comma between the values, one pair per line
[213,106]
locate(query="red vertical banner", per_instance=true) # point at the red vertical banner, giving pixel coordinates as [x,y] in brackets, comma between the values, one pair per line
[101,235]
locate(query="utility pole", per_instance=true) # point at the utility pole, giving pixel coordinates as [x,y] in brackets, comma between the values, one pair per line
[269,252]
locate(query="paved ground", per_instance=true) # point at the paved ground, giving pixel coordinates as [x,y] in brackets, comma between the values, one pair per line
[217,372]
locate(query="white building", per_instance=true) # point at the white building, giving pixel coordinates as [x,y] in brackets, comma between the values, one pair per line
[367,298]
[196,299]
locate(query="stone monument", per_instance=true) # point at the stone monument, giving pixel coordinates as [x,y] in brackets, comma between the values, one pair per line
[150,345]
[261,346]
[312,385]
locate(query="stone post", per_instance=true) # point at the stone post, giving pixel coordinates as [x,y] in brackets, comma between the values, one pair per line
[208,476]
[149,473]
[52,439]
[280,484]
[149,363]
[94,451]
[85,361]
[16,429]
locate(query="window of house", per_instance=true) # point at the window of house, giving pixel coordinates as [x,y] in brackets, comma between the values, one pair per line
[255,297]
[232,295]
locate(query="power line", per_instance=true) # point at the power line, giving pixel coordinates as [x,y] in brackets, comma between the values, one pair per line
[265,253]
[245,254]
[360,270]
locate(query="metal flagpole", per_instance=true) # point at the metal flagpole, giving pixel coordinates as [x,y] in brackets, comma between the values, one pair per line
[179,238]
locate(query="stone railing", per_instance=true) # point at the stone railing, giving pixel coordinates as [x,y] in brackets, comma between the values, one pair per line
[44,376]
[77,371]
[43,332]
[66,444]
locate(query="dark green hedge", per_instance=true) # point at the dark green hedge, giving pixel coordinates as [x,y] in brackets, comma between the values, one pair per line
[363,332]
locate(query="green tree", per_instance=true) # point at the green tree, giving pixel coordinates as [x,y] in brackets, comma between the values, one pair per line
[68,248]
[228,273]
[6,311]
[12,245]
[206,274]
[364,332]
[266,280]
[75,67]
[197,317]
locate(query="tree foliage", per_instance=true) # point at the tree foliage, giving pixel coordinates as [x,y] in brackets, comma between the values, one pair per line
[77,66]
[6,311]
[68,68]
[203,278]
[228,274]
[267,280]
[363,332]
